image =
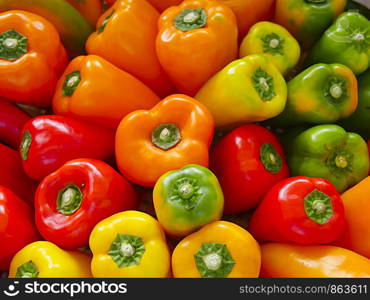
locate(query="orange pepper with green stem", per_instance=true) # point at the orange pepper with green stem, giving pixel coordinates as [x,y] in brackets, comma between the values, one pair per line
[90,9]
[125,36]
[176,132]
[196,39]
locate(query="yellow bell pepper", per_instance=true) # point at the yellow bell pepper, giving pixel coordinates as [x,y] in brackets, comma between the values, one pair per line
[45,260]
[129,244]
[220,249]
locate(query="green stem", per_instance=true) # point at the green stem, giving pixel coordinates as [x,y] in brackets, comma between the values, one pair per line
[25,144]
[166,136]
[69,199]
[70,84]
[190,19]
[270,159]
[273,44]
[318,207]
[13,45]
[126,250]
[27,270]
[264,84]
[105,22]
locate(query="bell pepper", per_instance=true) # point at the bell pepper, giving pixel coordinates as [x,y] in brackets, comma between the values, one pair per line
[13,176]
[318,261]
[358,121]
[186,199]
[50,141]
[178,131]
[275,42]
[90,9]
[248,162]
[72,27]
[196,39]
[302,210]
[346,42]
[94,90]
[73,199]
[129,244]
[321,94]
[331,153]
[247,90]
[17,226]
[162,5]
[249,12]
[307,19]
[32,58]
[45,260]
[218,250]
[12,120]
[128,42]
[356,236]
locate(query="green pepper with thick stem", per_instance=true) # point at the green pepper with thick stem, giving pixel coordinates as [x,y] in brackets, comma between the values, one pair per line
[346,42]
[359,120]
[186,199]
[321,94]
[329,152]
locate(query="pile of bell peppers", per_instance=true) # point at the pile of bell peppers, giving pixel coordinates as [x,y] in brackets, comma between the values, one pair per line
[195,138]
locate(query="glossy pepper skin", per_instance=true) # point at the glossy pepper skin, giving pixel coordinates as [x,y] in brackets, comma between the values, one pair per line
[71,25]
[13,176]
[94,90]
[331,153]
[204,29]
[248,162]
[358,121]
[218,250]
[347,42]
[187,199]
[247,90]
[129,244]
[162,5]
[321,94]
[32,58]
[356,236]
[49,141]
[317,261]
[45,260]
[307,19]
[273,41]
[125,36]
[90,9]
[12,120]
[301,210]
[73,199]
[176,132]
[17,228]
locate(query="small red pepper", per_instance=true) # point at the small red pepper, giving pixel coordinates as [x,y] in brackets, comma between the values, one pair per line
[72,200]
[13,176]
[50,141]
[12,120]
[300,209]
[17,228]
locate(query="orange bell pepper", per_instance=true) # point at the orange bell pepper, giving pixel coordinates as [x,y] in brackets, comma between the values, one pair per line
[249,12]
[290,261]
[90,9]
[32,58]
[94,90]
[196,39]
[176,132]
[162,5]
[356,202]
[125,36]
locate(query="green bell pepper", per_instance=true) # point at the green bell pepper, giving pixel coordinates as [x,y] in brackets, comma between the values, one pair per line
[329,152]
[186,199]
[346,42]
[320,94]
[359,120]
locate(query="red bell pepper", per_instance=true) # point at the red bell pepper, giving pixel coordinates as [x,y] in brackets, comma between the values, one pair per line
[17,228]
[300,209]
[50,141]
[248,162]
[13,176]
[73,199]
[12,120]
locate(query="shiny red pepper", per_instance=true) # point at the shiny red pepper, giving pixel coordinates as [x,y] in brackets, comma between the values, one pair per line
[50,141]
[302,210]
[13,176]
[248,162]
[17,228]
[73,199]
[12,120]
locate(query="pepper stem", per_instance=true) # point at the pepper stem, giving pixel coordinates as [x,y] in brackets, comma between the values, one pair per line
[341,161]
[336,91]
[69,199]
[27,270]
[13,45]
[359,37]
[274,43]
[318,207]
[165,136]
[270,159]
[126,250]
[71,82]
[25,144]
[212,261]
[190,19]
